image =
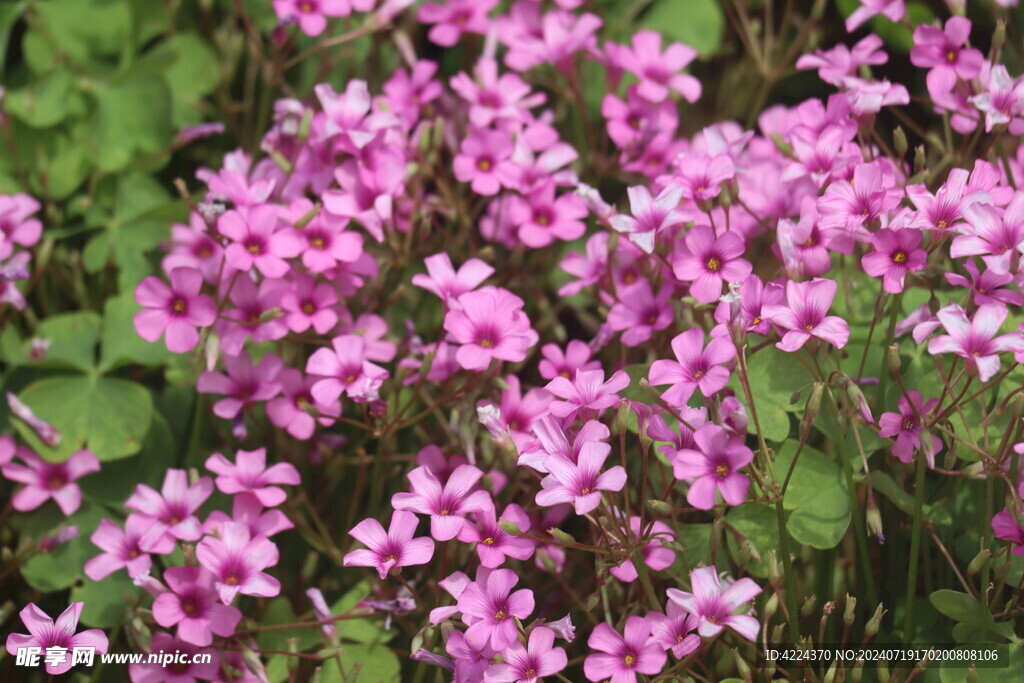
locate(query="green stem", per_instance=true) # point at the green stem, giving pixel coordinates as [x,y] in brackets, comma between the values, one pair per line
[883,371]
[915,547]
[645,580]
[787,567]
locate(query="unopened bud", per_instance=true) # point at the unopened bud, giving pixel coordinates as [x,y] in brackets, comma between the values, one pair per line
[920,158]
[857,672]
[874,521]
[510,528]
[856,397]
[659,506]
[782,145]
[747,553]
[808,607]
[999,37]
[979,562]
[774,569]
[875,622]
[892,356]
[777,633]
[561,536]
[281,162]
[850,613]
[306,124]
[771,606]
[271,314]
[741,665]
[830,675]
[308,216]
[621,424]
[899,139]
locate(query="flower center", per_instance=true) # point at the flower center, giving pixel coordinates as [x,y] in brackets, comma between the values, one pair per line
[188,607]
[133,554]
[942,224]
[305,7]
[680,638]
[899,257]
[500,615]
[179,306]
[484,165]
[698,374]
[713,264]
[308,308]
[317,243]
[722,471]
[543,219]
[56,482]
[909,424]
[584,491]
[390,558]
[487,343]
[255,249]
[630,660]
[445,512]
[809,326]
[530,673]
[231,580]
[349,379]
[488,541]
[951,56]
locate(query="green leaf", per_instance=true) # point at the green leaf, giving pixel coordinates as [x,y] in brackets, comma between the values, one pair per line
[73,338]
[86,28]
[121,343]
[190,72]
[359,630]
[375,664]
[46,102]
[816,495]
[774,376]
[106,415]
[280,612]
[148,466]
[821,522]
[9,14]
[758,524]
[133,119]
[884,484]
[697,23]
[106,601]
[61,568]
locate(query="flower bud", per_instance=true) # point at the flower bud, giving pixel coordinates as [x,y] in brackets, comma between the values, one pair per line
[272,314]
[856,397]
[979,562]
[975,471]
[659,506]
[999,36]
[510,528]
[777,633]
[899,139]
[874,521]
[808,607]
[308,216]
[741,666]
[892,357]
[857,672]
[920,158]
[771,606]
[774,569]
[830,675]
[849,614]
[875,622]
[782,145]
[561,536]
[621,424]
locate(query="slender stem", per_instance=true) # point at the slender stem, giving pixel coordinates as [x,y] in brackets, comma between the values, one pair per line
[883,372]
[915,547]
[787,567]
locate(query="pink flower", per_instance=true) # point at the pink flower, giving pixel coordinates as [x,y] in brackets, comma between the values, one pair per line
[452,18]
[46,432]
[44,633]
[651,215]
[565,364]
[708,261]
[489,323]
[479,158]
[695,367]
[715,464]
[1005,525]
[311,14]
[659,73]
[975,339]
[855,204]
[237,560]
[943,50]
[621,658]
[493,542]
[987,287]
[447,283]
[655,554]
[555,40]
[588,394]
[998,239]
[295,410]
[541,217]
[1002,101]
[714,606]
[310,305]
[674,630]
[16,224]
[638,313]
[495,99]
[175,505]
[324,241]
[747,313]
[257,241]
[447,505]
[177,310]
[250,474]
[344,368]
[244,385]
[896,254]
[247,509]
[701,176]
[836,64]
[805,315]
[396,548]
[201,663]
[531,663]
[50,480]
[129,548]
[490,609]
[256,315]
[580,482]
[891,9]
[191,605]
[906,427]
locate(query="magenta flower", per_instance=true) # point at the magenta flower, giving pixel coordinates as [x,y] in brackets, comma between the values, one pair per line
[495,98]
[837,63]
[805,315]
[700,176]
[558,363]
[906,427]
[655,555]
[201,663]
[695,367]
[490,609]
[16,224]
[311,15]
[580,482]
[998,239]
[891,9]
[943,51]
[447,283]
[621,658]
[638,313]
[452,18]
[674,630]
[986,287]
[540,217]
[255,316]
[1002,101]
[237,560]
[659,72]
[175,505]
[747,314]
[479,158]
[714,607]
[651,215]
[309,304]
[716,464]
[296,411]
[44,633]
[588,394]
[708,261]
[129,548]
[447,505]
[249,473]
[191,605]
[531,663]
[344,369]
[493,542]
[324,240]
[1005,525]
[396,548]
[975,339]
[177,310]
[244,385]
[489,323]
[256,240]
[854,204]
[50,480]
[896,254]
